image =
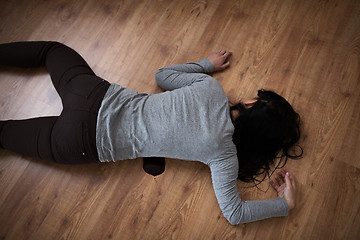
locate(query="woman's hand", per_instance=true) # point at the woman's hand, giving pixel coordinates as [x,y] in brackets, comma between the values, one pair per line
[284,184]
[220,60]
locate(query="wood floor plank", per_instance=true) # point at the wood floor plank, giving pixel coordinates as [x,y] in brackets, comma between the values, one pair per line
[306,50]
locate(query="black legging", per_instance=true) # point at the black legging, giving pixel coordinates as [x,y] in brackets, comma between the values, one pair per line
[70,137]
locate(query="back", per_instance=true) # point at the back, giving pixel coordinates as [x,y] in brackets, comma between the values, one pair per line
[192,122]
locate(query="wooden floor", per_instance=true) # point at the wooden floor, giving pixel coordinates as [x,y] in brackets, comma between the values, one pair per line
[308,51]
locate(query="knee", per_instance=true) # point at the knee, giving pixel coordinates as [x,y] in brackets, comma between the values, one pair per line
[51,50]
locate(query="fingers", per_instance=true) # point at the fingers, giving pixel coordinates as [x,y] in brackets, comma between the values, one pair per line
[288,181]
[274,185]
[224,53]
[283,177]
[291,178]
[227,54]
[225,65]
[280,180]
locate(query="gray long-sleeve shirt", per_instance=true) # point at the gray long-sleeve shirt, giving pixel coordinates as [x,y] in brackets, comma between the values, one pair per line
[190,121]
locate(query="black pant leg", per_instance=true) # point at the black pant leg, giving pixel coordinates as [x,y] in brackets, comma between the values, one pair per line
[81,92]
[62,62]
[30,137]
[24,54]
[64,66]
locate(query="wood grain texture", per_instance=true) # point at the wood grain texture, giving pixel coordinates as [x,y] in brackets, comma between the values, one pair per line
[308,51]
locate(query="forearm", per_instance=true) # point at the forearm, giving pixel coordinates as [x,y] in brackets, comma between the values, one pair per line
[177,76]
[234,209]
[250,211]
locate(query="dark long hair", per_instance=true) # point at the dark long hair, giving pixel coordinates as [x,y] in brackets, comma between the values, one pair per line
[266,131]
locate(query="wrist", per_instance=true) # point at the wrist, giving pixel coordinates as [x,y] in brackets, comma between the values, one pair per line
[291,205]
[207,65]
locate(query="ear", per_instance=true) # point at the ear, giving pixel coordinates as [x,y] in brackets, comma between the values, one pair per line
[249,103]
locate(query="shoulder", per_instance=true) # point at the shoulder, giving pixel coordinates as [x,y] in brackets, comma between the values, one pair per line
[210,87]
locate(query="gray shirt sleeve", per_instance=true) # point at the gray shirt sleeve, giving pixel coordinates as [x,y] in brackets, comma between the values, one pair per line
[234,209]
[177,76]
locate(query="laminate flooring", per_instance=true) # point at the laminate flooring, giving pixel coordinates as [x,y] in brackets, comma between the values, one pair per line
[308,51]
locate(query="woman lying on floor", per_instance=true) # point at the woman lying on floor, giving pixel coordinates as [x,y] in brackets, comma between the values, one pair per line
[192,120]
